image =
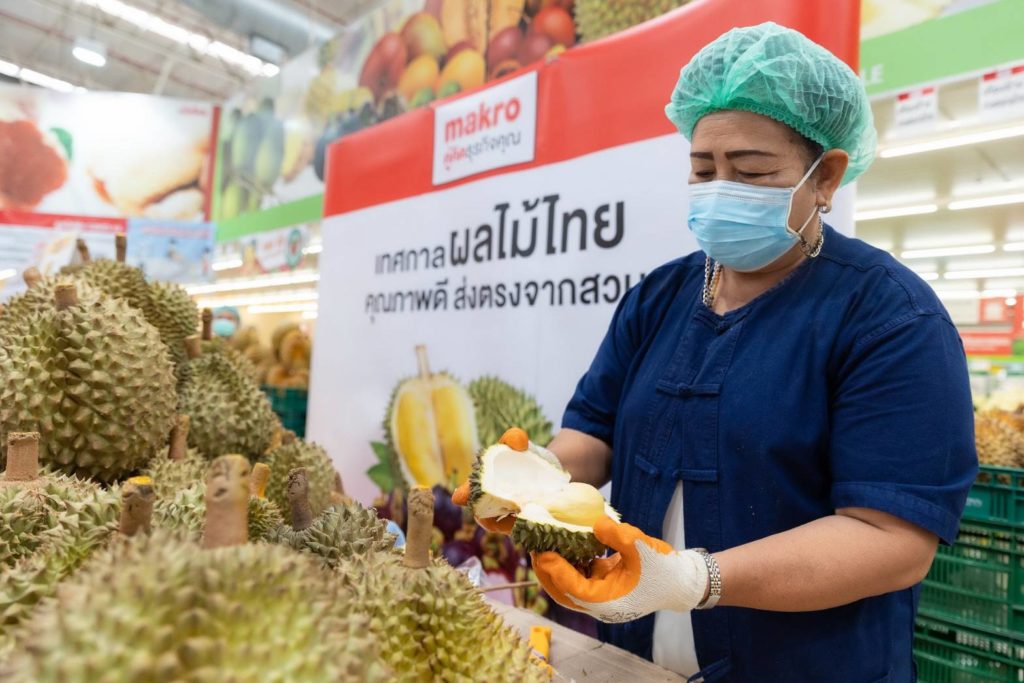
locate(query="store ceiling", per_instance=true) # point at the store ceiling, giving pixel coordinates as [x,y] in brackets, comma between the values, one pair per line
[40,35]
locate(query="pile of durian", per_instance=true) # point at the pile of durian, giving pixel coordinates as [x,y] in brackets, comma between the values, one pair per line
[157,524]
[999,437]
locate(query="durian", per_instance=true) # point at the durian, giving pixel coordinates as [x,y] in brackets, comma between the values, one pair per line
[431,428]
[158,607]
[175,316]
[997,443]
[229,413]
[499,405]
[339,532]
[319,469]
[598,18]
[211,345]
[179,467]
[93,378]
[119,280]
[38,298]
[432,623]
[551,512]
[187,509]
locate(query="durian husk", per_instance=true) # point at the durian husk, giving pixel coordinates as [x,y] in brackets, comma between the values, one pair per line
[340,532]
[157,607]
[997,443]
[186,511]
[499,406]
[319,470]
[599,18]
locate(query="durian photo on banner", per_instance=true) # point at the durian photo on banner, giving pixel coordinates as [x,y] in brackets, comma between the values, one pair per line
[474,250]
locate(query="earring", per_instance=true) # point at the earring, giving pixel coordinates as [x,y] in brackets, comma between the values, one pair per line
[825,208]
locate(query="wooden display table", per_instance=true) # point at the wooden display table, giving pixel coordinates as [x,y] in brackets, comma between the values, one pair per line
[581,658]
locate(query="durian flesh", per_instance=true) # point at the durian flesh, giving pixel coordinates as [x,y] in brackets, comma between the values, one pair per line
[552,512]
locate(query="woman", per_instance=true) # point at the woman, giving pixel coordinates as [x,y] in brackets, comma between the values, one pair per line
[791,399]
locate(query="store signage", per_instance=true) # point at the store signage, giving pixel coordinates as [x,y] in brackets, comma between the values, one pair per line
[512,272]
[495,128]
[1001,93]
[916,109]
[987,342]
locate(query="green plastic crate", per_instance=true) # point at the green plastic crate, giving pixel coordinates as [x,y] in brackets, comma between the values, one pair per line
[290,406]
[997,496]
[979,582]
[949,653]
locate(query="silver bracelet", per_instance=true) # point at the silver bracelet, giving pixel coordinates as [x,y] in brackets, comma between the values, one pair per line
[714,579]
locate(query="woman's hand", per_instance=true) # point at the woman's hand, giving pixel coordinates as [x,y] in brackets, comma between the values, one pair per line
[644,576]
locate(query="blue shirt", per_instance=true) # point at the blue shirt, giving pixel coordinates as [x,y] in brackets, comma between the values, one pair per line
[844,386]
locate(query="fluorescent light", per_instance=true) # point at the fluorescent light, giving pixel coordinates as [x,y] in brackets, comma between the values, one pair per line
[958,294]
[1011,301]
[928,276]
[90,52]
[284,308]
[259,299]
[892,212]
[1013,246]
[309,315]
[998,293]
[948,141]
[980,202]
[41,79]
[9,69]
[264,282]
[227,264]
[181,35]
[986,274]
[314,248]
[948,251]
[7,273]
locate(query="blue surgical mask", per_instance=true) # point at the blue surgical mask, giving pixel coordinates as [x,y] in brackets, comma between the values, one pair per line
[744,227]
[222,327]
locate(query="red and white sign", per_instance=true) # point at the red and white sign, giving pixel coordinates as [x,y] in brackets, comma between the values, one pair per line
[1001,93]
[916,109]
[494,128]
[515,271]
[987,342]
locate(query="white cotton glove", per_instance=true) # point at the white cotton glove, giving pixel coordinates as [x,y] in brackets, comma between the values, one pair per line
[644,576]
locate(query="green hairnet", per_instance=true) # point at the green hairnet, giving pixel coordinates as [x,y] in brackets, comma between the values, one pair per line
[779,73]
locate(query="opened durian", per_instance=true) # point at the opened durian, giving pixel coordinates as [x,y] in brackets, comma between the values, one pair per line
[339,532]
[498,404]
[598,18]
[229,413]
[94,379]
[552,512]
[162,608]
[431,428]
[319,469]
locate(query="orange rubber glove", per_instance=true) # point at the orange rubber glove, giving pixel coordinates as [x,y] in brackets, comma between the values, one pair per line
[644,576]
[516,439]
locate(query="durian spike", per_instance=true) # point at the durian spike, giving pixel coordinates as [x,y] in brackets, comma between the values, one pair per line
[120,247]
[423,361]
[288,437]
[227,502]
[258,480]
[192,348]
[137,498]
[298,499]
[32,276]
[421,527]
[22,456]
[339,487]
[179,438]
[66,296]
[276,439]
[83,251]
[207,324]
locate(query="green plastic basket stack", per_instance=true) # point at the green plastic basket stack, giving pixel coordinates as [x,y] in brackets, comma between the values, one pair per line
[970,625]
[290,406]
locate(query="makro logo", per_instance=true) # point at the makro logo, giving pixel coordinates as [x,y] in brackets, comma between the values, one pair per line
[494,128]
[487,117]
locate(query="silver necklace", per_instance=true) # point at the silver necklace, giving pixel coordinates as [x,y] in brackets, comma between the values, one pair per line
[713,271]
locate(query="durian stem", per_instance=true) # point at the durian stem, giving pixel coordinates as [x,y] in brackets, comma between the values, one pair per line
[67,296]
[32,276]
[423,361]
[421,526]
[258,480]
[298,499]
[179,438]
[508,586]
[83,251]
[22,456]
[192,348]
[120,247]
[227,502]
[207,324]
[137,498]
[288,437]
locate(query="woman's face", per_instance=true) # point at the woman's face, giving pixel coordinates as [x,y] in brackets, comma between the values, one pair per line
[744,147]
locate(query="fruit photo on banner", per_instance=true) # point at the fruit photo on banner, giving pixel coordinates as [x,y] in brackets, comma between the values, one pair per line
[432,431]
[273,138]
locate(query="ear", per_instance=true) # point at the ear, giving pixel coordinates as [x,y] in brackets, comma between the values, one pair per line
[828,175]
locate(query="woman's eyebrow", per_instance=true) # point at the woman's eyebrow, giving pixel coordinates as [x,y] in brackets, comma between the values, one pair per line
[734,154]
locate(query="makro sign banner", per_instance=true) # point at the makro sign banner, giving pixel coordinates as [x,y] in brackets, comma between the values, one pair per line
[506,264]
